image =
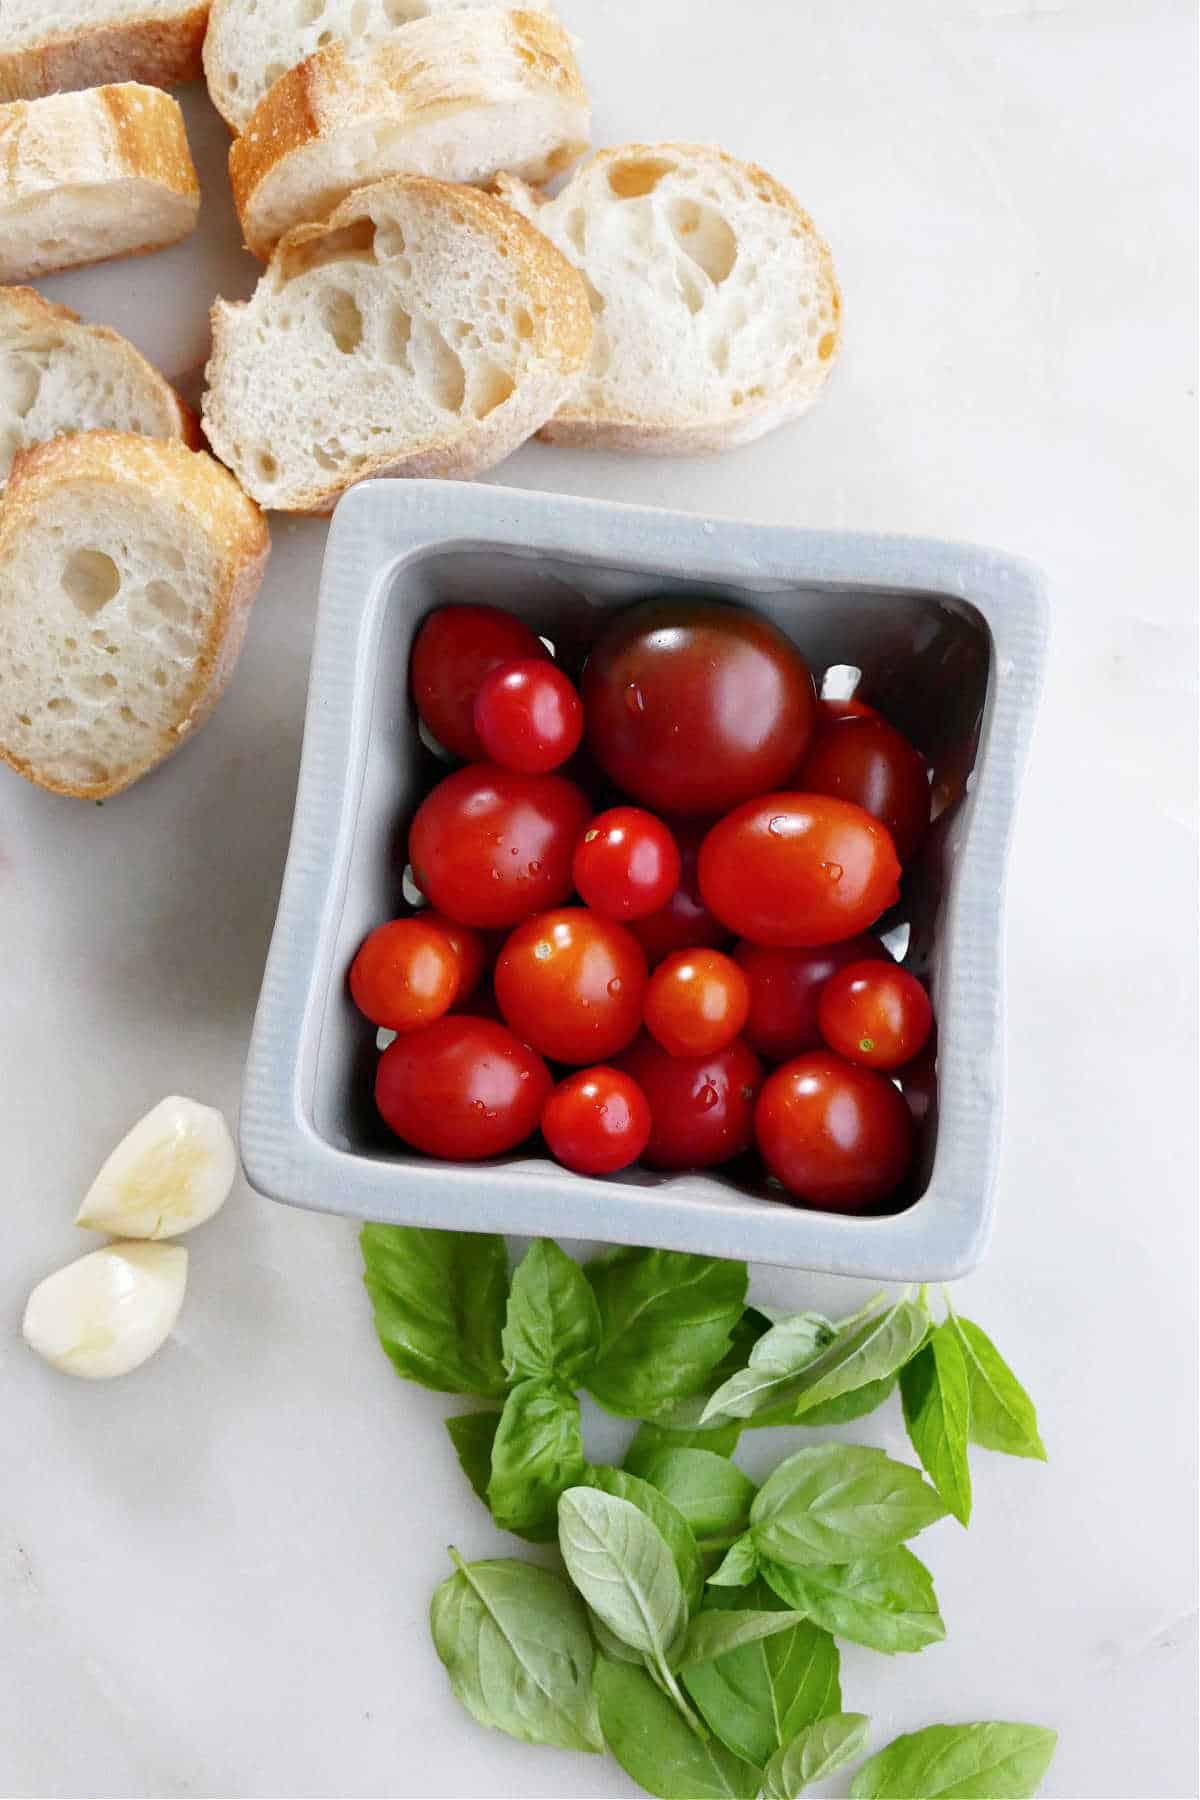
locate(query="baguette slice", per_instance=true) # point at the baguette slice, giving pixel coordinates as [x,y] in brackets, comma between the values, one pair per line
[424,329]
[127,569]
[59,376]
[457,96]
[248,49]
[84,177]
[714,300]
[52,46]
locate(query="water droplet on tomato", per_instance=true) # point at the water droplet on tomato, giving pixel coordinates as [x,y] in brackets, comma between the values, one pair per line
[478,1106]
[777,827]
[542,951]
[708,1096]
[534,868]
[832,871]
[635,700]
[614,986]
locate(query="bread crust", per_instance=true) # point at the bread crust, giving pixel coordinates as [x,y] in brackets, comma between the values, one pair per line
[198,486]
[159,51]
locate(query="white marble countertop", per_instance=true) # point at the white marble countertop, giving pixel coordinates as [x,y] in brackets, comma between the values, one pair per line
[214,1576]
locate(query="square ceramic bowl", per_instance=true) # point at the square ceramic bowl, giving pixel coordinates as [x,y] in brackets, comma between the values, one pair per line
[950,641]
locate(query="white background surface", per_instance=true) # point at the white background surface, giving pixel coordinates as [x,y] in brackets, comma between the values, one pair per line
[215,1575]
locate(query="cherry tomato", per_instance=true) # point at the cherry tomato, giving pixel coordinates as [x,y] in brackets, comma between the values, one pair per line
[528,716]
[702,1106]
[454,649]
[875,1014]
[838,1137]
[866,761]
[785,986]
[489,846]
[571,984]
[697,1002]
[462,1088]
[406,973]
[596,1121]
[798,869]
[693,706]
[627,864]
[684,923]
[469,947]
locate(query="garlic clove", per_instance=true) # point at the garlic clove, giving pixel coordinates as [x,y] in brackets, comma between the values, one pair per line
[174,1170]
[105,1313]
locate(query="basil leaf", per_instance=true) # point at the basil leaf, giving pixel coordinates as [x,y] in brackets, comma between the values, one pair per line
[868,1351]
[933,1387]
[537,1453]
[667,1319]
[959,1762]
[886,1602]
[836,1503]
[651,1437]
[473,1435]
[661,1514]
[813,1754]
[778,1355]
[845,1407]
[623,1567]
[657,1748]
[439,1301]
[712,1493]
[610,1644]
[1002,1414]
[739,1567]
[757,1696]
[553,1323]
[714,1633]
[515,1643]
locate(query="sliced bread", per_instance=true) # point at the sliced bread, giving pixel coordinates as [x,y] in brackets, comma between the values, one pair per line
[424,329]
[457,96]
[59,376]
[714,300]
[87,176]
[249,46]
[127,569]
[51,46]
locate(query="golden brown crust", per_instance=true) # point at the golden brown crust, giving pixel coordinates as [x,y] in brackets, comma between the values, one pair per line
[200,489]
[150,135]
[161,52]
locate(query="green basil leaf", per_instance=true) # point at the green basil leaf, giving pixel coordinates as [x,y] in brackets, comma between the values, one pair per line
[623,1567]
[538,1453]
[869,1351]
[655,1746]
[439,1299]
[739,1566]
[515,1643]
[651,1437]
[959,1762]
[775,1358]
[553,1323]
[473,1435]
[836,1503]
[757,1696]
[712,1493]
[661,1514]
[933,1387]
[1002,1414]
[886,1602]
[813,1754]
[667,1319]
[845,1407]
[714,1633]
[610,1644]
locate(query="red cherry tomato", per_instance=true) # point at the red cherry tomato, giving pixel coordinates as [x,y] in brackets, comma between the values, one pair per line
[702,1106]
[838,1137]
[489,846]
[627,864]
[798,869]
[571,984]
[462,1088]
[785,986]
[693,706]
[697,1002]
[866,761]
[596,1121]
[684,923]
[469,947]
[454,649]
[528,716]
[406,974]
[875,1014]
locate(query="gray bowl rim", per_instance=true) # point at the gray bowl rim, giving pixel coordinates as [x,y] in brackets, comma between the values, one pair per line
[376,528]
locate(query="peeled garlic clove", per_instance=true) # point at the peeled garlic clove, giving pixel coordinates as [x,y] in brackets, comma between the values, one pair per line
[172,1171]
[109,1311]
